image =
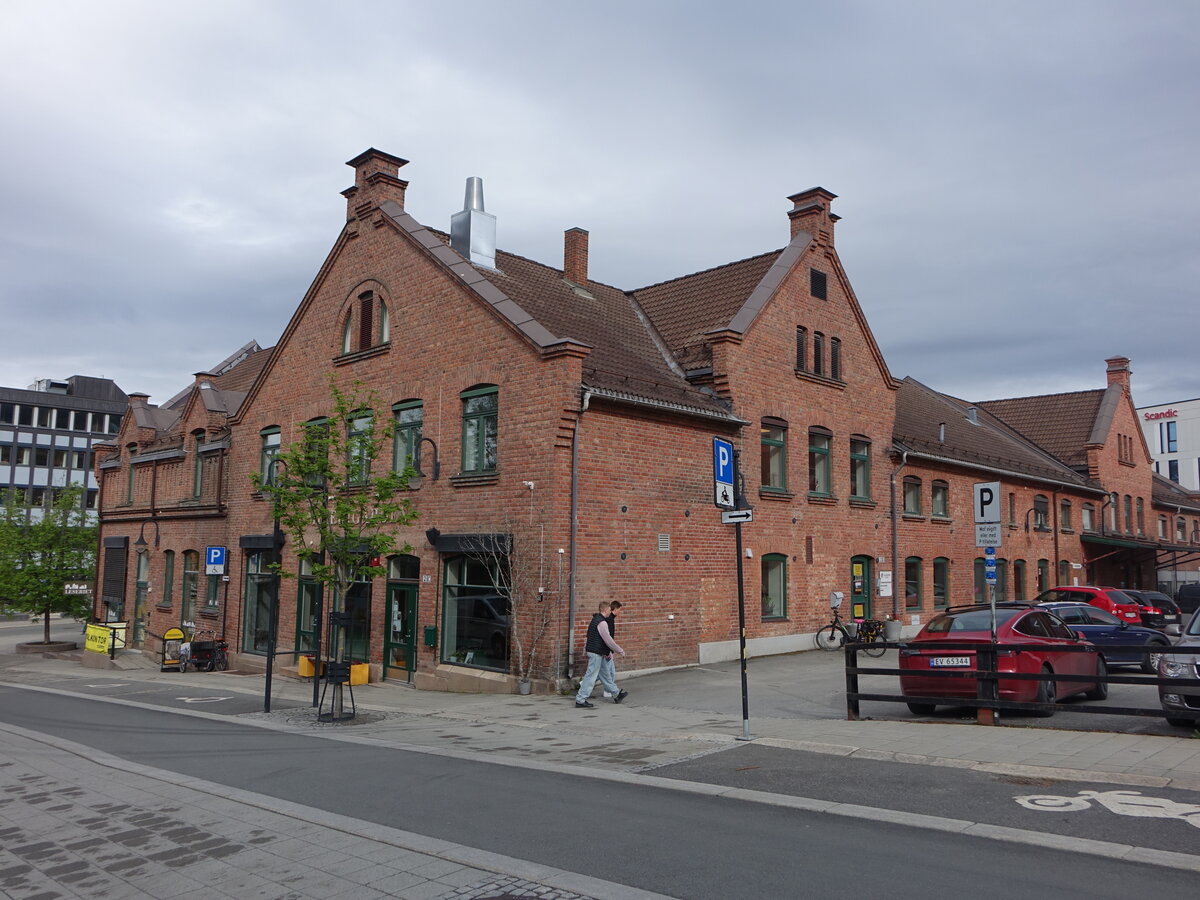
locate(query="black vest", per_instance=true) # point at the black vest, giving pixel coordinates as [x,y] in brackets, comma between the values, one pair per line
[595,643]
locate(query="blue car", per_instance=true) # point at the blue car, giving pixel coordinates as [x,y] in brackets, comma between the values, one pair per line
[1106,631]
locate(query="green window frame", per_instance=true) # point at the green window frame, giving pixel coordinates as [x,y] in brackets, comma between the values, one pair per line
[191,582]
[860,468]
[819,481]
[941,582]
[271,438]
[360,431]
[168,579]
[410,423]
[1064,515]
[1043,574]
[480,411]
[774,586]
[260,591]
[912,582]
[773,439]
[939,499]
[912,495]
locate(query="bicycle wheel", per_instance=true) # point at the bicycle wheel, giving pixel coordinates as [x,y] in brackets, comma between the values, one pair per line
[831,637]
[872,647]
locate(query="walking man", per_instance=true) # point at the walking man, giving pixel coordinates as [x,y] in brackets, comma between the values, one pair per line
[600,646]
[609,667]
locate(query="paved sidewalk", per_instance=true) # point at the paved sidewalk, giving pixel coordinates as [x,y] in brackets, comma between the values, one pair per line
[641,734]
[76,823]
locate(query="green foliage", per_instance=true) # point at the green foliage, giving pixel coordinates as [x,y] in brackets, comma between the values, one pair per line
[335,494]
[42,549]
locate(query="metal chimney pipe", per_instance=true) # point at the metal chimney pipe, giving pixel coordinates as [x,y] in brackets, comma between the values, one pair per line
[474,195]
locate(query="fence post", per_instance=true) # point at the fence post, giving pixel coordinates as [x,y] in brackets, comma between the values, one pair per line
[987,685]
[851,682]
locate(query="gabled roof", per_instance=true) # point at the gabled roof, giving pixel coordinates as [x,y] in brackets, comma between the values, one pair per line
[986,442]
[1063,424]
[626,360]
[685,309]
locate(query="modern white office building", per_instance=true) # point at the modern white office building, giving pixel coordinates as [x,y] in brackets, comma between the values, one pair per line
[1173,435]
[47,431]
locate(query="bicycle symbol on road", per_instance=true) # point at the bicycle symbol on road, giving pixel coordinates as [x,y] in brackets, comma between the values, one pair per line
[1123,803]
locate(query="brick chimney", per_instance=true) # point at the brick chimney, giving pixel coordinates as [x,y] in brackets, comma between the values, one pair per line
[375,181]
[810,212]
[1118,372]
[575,255]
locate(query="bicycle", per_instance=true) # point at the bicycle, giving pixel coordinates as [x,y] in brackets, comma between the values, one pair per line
[835,635]
[212,654]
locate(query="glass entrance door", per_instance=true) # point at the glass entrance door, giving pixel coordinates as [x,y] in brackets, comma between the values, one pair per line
[860,587]
[400,650]
[400,635]
[141,589]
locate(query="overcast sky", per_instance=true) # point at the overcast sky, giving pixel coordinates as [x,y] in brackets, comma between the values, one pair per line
[1017,180]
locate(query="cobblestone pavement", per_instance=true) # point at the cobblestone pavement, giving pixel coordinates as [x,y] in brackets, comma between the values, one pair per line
[75,823]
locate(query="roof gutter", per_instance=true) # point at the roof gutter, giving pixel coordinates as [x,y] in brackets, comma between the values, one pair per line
[1026,476]
[634,400]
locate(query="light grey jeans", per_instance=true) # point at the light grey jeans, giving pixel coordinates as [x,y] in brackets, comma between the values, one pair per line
[596,669]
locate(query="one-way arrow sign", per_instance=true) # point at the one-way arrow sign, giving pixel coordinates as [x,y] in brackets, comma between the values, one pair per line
[732,516]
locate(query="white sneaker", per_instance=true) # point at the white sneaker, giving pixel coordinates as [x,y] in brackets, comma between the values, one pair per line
[607,695]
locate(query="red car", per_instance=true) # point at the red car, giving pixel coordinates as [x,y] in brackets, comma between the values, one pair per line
[1108,599]
[1015,624]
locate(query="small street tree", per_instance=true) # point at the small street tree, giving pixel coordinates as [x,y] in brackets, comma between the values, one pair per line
[43,548]
[336,494]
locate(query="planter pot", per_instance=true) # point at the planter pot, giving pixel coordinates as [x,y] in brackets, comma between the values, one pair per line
[891,630]
[524,685]
[306,667]
[360,673]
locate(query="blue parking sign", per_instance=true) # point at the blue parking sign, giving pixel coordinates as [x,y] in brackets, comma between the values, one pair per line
[723,473]
[214,560]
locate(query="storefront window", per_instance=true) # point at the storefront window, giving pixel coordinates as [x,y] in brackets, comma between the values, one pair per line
[476,616]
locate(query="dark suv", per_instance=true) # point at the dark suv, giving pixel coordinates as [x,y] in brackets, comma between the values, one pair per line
[1188,597]
[1157,608]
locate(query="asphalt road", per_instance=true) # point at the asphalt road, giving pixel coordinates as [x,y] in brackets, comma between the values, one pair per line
[681,844]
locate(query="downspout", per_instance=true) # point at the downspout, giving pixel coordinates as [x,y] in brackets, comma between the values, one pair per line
[1057,520]
[221,482]
[572,602]
[98,586]
[895,535]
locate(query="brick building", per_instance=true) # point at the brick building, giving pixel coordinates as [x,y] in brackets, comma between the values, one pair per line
[573,422]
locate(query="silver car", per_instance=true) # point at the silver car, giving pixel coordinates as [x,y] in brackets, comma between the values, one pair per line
[1179,698]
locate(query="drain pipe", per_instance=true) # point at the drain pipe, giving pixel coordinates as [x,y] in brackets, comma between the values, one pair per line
[895,537]
[573,599]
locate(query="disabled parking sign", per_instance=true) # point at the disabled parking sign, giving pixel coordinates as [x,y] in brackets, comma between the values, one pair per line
[214,560]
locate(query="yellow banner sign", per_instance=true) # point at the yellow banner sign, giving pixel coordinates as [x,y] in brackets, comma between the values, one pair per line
[100,638]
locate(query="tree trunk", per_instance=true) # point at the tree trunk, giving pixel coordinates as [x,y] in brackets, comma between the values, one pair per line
[46,626]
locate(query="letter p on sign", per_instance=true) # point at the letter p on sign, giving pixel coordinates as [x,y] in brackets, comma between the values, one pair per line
[987,502]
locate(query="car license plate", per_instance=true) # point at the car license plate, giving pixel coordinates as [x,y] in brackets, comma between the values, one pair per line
[941,661]
[1130,615]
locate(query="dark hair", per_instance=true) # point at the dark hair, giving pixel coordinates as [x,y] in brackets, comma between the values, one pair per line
[616,604]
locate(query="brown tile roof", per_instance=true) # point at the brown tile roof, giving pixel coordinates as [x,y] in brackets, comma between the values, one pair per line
[1062,424]
[987,442]
[683,309]
[625,358]
[241,377]
[1167,493]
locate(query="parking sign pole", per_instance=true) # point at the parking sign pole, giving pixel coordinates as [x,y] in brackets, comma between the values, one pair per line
[740,503]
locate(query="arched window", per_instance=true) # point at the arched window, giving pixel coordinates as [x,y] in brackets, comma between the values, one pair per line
[801,348]
[818,361]
[819,479]
[835,358]
[410,420]
[941,582]
[1088,516]
[191,584]
[1041,512]
[198,463]
[773,446]
[367,323]
[860,467]
[479,429]
[912,582]
[912,495]
[1064,515]
[270,438]
[1141,516]
[1018,568]
[1128,514]
[168,577]
[940,499]
[774,586]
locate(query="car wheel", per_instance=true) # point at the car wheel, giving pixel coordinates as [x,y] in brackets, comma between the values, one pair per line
[1045,693]
[1100,691]
[921,709]
[1150,662]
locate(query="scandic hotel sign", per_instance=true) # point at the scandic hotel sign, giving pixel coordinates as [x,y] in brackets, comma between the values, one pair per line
[1164,414]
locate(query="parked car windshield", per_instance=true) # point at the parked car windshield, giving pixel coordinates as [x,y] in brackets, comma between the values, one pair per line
[974,620]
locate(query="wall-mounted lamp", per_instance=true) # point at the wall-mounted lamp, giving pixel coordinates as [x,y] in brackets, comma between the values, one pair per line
[437,466]
[140,543]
